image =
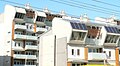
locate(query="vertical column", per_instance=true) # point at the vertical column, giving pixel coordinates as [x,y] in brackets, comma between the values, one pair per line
[116,57]
[12,60]
[86,53]
[13,25]
[35,27]
[69,64]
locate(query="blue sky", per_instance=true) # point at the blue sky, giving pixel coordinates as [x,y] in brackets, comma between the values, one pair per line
[50,4]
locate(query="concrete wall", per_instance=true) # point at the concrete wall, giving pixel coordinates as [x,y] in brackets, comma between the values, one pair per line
[61,52]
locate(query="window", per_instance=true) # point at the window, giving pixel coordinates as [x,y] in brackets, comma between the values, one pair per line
[104,51]
[111,39]
[90,50]
[109,53]
[78,52]
[73,64]
[72,51]
[18,44]
[19,15]
[15,44]
[39,18]
[78,36]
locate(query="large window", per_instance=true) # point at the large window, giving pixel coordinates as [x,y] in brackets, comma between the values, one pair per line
[78,36]
[111,39]
[95,50]
[19,15]
[41,19]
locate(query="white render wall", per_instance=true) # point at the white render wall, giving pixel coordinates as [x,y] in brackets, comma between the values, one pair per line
[48,56]
[46,53]
[61,28]
[61,51]
[104,33]
[112,52]
[75,56]
[9,14]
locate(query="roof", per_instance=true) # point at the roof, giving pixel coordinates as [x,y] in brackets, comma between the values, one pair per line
[21,10]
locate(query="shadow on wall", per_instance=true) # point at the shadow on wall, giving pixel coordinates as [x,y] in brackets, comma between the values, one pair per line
[5,61]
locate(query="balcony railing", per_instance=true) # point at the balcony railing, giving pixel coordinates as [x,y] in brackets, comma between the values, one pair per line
[29,20]
[24,65]
[19,20]
[110,44]
[38,29]
[25,37]
[31,47]
[20,27]
[97,56]
[18,48]
[22,56]
[92,41]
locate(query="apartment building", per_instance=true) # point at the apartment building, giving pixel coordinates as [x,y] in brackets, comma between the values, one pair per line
[22,27]
[80,43]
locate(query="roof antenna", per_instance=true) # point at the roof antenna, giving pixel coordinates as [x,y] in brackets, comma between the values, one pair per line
[27,6]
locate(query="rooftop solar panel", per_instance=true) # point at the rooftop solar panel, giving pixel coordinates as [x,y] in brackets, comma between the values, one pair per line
[78,26]
[112,29]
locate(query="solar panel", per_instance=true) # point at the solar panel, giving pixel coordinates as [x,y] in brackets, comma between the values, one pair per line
[73,26]
[78,26]
[112,29]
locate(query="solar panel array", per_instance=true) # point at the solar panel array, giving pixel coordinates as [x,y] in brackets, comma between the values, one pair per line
[78,26]
[112,29]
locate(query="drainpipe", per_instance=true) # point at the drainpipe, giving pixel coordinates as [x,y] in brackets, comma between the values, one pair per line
[55,50]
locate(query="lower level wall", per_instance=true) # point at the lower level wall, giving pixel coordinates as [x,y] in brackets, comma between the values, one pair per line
[5,61]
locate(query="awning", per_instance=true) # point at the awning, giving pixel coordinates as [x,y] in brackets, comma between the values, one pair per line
[20,10]
[41,14]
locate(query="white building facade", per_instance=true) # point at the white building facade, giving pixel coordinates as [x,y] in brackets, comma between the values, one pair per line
[87,43]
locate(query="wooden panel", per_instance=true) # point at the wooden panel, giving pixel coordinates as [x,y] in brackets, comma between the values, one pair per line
[117,57]
[86,53]
[13,25]
[30,14]
[35,27]
[93,32]
[69,64]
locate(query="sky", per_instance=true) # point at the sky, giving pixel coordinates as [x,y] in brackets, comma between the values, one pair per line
[74,7]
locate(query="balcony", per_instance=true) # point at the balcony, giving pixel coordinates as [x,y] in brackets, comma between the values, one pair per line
[24,37]
[110,44]
[29,20]
[20,27]
[91,41]
[22,56]
[19,20]
[31,47]
[97,56]
[24,65]
[38,29]
[77,42]
[18,48]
